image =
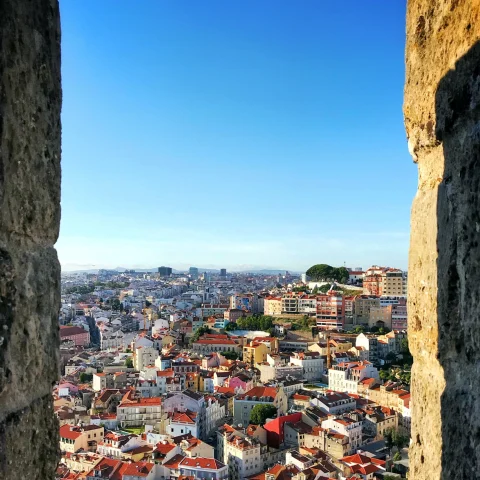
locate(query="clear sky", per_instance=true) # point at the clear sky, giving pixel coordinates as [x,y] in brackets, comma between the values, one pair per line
[215,133]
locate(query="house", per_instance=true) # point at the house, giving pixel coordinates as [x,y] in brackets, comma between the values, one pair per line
[181,423]
[347,426]
[75,438]
[335,403]
[78,335]
[346,376]
[243,404]
[139,412]
[203,468]
[366,467]
[311,362]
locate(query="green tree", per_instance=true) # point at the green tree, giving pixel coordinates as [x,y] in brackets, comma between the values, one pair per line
[200,331]
[85,377]
[342,275]
[397,457]
[388,437]
[129,362]
[320,272]
[260,413]
[230,355]
[400,440]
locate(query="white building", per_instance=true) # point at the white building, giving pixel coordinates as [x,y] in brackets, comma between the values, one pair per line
[144,356]
[348,427]
[346,376]
[311,362]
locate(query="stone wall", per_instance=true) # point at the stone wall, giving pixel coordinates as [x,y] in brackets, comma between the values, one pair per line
[30,103]
[442,114]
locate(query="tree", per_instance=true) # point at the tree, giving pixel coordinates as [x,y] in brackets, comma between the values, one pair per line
[200,331]
[85,377]
[397,457]
[391,357]
[342,275]
[388,437]
[260,413]
[400,440]
[129,362]
[230,355]
[320,272]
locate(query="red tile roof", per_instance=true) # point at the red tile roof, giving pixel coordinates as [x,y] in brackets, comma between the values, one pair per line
[202,463]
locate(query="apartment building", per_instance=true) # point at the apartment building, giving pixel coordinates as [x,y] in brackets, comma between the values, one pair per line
[330,311]
[272,306]
[384,281]
[139,412]
[311,362]
[346,376]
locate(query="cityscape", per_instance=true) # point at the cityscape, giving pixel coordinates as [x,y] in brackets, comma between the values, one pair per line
[217,375]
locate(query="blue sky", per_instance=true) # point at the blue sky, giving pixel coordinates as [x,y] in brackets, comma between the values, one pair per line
[234,134]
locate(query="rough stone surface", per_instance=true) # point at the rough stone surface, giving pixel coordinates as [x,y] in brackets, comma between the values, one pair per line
[30,104]
[442,119]
[29,442]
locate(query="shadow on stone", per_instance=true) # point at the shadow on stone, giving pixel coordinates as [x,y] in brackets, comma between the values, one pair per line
[457,108]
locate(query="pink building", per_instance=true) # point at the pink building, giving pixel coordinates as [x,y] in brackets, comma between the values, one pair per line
[240,383]
[78,335]
[233,314]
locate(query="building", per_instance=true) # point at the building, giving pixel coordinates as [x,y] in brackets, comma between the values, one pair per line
[211,344]
[290,304]
[346,376]
[181,423]
[165,271]
[75,438]
[193,272]
[243,404]
[272,306]
[312,364]
[362,306]
[330,311]
[78,335]
[233,314]
[248,302]
[399,316]
[255,352]
[384,281]
[223,272]
[335,403]
[101,381]
[203,469]
[144,356]
[347,426]
[370,344]
[139,412]
[381,317]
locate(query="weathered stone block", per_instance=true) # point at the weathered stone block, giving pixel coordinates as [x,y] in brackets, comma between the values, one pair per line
[29,442]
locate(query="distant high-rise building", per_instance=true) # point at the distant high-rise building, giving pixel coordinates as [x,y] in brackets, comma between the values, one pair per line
[223,272]
[165,271]
[193,271]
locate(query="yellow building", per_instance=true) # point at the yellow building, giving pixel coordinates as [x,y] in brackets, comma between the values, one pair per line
[254,353]
[272,306]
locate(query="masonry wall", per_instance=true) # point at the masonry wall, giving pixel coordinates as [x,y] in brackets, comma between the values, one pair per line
[442,114]
[30,102]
